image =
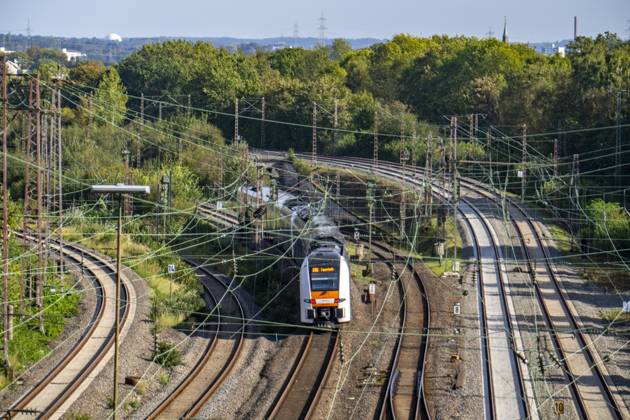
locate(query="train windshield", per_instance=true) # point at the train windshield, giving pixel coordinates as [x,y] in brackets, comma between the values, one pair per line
[324,270]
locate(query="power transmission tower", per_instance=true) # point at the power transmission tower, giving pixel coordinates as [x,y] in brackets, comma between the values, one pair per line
[375,155]
[322,29]
[524,163]
[314,144]
[5,218]
[127,205]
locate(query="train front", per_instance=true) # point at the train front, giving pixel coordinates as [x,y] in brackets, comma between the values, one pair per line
[325,288]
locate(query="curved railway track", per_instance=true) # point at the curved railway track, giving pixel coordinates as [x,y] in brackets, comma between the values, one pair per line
[508,398]
[404,392]
[586,375]
[219,216]
[219,357]
[70,377]
[582,366]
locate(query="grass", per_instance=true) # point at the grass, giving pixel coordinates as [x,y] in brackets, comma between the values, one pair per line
[29,344]
[177,291]
[616,315]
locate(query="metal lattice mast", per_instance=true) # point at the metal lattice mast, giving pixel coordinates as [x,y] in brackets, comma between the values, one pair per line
[262,121]
[555,158]
[5,218]
[335,124]
[60,183]
[428,196]
[375,156]
[524,163]
[314,145]
[236,136]
[403,159]
[39,286]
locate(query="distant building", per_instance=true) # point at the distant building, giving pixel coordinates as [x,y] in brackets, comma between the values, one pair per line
[13,68]
[113,37]
[72,55]
[5,51]
[550,48]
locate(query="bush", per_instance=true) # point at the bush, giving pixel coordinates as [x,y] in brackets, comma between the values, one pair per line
[167,355]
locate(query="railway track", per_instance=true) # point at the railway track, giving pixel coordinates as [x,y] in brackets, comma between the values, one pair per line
[219,216]
[582,366]
[506,395]
[586,376]
[219,357]
[54,394]
[301,391]
[404,392]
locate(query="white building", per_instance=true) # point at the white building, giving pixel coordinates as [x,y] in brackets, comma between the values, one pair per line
[13,68]
[5,51]
[114,37]
[72,55]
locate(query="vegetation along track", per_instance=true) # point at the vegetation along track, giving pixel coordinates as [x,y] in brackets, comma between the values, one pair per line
[65,382]
[404,391]
[219,357]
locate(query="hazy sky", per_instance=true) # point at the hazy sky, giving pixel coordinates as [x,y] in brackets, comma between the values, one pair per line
[528,20]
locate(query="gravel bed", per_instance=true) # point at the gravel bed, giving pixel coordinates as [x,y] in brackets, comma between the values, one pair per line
[546,376]
[354,386]
[135,360]
[454,345]
[61,345]
[277,359]
[590,302]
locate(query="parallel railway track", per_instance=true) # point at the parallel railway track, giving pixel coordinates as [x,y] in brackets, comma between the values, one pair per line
[220,355]
[507,398]
[586,376]
[65,382]
[404,391]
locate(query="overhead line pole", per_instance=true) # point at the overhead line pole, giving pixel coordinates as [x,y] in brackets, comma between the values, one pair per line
[5,219]
[314,144]
[524,163]
[375,154]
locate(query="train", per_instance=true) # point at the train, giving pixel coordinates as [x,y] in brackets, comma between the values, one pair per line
[317,242]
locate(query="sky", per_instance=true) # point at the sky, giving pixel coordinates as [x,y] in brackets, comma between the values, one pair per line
[528,20]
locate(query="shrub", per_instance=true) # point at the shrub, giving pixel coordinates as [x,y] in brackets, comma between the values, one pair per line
[167,355]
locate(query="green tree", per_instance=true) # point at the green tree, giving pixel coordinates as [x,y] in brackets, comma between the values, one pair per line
[608,224]
[110,98]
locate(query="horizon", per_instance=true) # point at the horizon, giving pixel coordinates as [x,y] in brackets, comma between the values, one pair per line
[351,20]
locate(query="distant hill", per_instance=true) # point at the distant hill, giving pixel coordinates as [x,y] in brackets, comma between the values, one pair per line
[112,52]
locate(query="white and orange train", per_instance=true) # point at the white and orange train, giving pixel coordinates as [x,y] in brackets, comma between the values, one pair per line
[324,272]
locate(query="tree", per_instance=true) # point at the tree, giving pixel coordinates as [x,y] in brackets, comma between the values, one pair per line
[110,98]
[88,74]
[608,224]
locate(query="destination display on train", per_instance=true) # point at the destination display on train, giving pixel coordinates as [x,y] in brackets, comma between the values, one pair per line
[323,270]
